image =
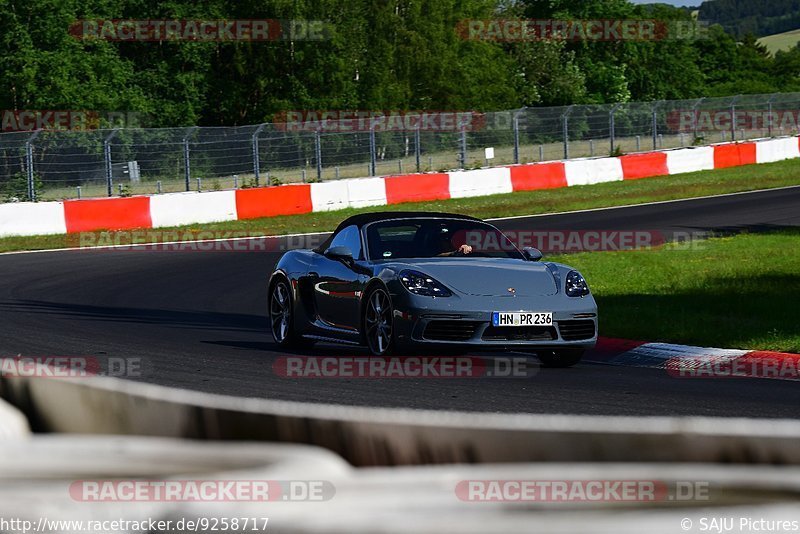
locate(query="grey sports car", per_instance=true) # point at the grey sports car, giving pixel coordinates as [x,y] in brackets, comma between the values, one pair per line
[398,281]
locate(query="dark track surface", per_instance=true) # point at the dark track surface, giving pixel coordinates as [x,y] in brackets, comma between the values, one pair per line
[197,320]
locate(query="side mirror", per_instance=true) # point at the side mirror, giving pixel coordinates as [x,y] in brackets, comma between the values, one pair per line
[532,254]
[340,253]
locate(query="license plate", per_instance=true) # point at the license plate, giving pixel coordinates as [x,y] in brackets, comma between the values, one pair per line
[522,319]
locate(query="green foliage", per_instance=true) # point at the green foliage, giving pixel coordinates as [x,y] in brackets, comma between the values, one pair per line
[15,189]
[396,55]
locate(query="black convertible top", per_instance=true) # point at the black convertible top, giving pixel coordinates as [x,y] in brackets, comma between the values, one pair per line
[365,218]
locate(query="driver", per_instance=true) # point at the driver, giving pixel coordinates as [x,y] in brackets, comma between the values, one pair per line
[446,246]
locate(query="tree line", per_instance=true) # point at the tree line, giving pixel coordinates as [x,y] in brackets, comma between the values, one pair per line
[376,55]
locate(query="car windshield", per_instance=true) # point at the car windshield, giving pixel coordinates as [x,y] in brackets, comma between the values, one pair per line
[430,238]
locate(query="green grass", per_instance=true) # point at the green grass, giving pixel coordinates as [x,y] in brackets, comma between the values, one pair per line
[688,185]
[733,292]
[780,41]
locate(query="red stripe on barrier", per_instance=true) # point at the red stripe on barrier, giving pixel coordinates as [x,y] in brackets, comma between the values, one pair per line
[635,166]
[538,176]
[107,214]
[272,201]
[768,364]
[417,187]
[734,154]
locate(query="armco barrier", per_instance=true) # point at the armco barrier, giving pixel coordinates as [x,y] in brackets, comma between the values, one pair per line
[13,424]
[52,480]
[381,436]
[190,208]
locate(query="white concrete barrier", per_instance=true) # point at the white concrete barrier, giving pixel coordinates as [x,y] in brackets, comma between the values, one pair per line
[329,196]
[770,150]
[690,159]
[363,192]
[32,218]
[593,171]
[177,209]
[480,182]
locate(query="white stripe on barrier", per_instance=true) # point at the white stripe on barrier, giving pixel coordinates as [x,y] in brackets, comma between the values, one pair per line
[480,182]
[690,159]
[32,218]
[329,196]
[176,209]
[777,150]
[363,192]
[593,171]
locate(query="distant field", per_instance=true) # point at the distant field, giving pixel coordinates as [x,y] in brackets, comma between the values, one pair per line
[781,41]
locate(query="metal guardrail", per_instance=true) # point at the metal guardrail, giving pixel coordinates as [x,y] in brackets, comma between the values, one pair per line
[49,165]
[381,436]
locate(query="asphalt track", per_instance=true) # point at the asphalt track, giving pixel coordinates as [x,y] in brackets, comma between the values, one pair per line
[196,319]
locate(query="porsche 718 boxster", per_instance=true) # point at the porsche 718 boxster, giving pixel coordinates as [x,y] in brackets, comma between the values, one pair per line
[398,282]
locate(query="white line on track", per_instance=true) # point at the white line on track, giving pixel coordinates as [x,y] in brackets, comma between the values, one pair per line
[588,210]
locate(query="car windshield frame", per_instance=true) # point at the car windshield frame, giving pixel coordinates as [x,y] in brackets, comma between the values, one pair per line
[514,253]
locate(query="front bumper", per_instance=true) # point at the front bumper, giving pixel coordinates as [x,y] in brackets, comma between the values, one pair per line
[457,322]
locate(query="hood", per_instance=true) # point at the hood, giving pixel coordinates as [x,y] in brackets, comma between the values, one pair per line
[491,277]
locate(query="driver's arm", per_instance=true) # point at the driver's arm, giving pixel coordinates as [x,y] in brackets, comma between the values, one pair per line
[463,250]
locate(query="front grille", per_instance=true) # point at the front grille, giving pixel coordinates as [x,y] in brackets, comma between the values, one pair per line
[450,330]
[519,333]
[576,330]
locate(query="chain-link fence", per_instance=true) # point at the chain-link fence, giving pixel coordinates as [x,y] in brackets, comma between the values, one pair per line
[47,165]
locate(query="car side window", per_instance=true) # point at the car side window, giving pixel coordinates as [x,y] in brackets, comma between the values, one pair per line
[349,237]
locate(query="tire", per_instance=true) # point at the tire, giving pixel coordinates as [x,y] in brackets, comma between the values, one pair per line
[280,310]
[378,322]
[560,358]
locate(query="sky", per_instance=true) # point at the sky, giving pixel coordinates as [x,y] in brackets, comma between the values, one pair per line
[693,3]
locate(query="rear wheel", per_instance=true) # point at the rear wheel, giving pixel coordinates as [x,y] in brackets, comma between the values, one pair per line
[560,358]
[281,316]
[378,322]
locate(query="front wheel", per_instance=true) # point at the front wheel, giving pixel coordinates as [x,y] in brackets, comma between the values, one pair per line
[378,322]
[560,358]
[281,317]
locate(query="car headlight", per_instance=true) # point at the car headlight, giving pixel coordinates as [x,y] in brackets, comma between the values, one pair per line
[576,285]
[422,284]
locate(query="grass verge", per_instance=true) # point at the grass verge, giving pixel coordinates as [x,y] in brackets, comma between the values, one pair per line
[733,292]
[746,178]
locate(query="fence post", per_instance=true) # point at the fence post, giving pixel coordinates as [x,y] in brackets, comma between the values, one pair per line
[187,170]
[29,165]
[694,118]
[107,159]
[655,123]
[256,157]
[733,117]
[318,150]
[463,149]
[417,149]
[565,128]
[516,136]
[373,163]
[769,115]
[612,126]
